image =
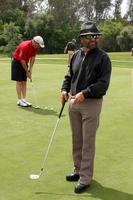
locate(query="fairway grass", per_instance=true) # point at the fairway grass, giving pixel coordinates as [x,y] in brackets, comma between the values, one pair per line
[25,135]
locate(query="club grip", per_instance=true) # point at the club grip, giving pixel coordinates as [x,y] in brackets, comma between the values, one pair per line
[62,108]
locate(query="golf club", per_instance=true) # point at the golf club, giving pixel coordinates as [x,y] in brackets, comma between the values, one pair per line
[34,94]
[37,176]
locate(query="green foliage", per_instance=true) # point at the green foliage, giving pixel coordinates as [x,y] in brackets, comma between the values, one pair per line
[94,10]
[55,36]
[12,37]
[36,25]
[130,11]
[64,12]
[27,6]
[40,25]
[101,9]
[13,15]
[125,39]
[110,30]
[1,29]
[117,11]
[9,4]
[86,8]
[60,20]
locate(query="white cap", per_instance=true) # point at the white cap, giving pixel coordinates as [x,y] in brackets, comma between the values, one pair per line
[39,40]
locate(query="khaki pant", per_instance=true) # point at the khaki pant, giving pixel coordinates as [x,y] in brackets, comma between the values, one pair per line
[70,54]
[84,121]
[132,51]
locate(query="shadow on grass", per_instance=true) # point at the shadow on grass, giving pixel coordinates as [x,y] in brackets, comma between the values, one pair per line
[104,193]
[97,191]
[41,111]
[59,194]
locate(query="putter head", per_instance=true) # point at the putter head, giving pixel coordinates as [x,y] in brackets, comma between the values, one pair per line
[34,176]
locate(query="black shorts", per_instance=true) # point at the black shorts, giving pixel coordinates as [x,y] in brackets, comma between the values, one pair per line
[17,71]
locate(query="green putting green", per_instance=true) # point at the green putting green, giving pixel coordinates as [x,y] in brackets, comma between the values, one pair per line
[25,135]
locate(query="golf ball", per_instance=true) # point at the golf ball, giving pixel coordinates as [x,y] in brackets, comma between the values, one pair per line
[34,176]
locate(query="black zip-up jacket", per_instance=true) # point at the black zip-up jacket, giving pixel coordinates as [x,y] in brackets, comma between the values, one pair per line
[88,73]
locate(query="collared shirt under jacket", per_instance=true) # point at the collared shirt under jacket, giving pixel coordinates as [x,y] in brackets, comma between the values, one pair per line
[88,73]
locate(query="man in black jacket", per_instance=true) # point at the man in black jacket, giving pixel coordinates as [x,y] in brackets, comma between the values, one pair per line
[85,83]
[70,48]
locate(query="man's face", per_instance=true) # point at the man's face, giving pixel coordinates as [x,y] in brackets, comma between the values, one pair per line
[89,41]
[35,44]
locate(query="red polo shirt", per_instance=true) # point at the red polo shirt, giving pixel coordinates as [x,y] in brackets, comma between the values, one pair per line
[25,51]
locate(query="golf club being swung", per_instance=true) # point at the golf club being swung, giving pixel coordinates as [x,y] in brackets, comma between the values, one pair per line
[37,176]
[34,94]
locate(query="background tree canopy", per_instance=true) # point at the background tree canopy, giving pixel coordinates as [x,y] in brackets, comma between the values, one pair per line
[58,21]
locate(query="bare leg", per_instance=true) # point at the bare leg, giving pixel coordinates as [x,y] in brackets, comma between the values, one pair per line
[21,93]
[24,87]
[19,89]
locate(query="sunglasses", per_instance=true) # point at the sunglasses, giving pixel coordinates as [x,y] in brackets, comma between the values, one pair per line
[89,37]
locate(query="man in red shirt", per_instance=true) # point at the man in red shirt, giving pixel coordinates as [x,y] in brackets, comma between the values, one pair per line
[22,64]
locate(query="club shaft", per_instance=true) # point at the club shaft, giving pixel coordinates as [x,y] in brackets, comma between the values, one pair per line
[52,136]
[51,140]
